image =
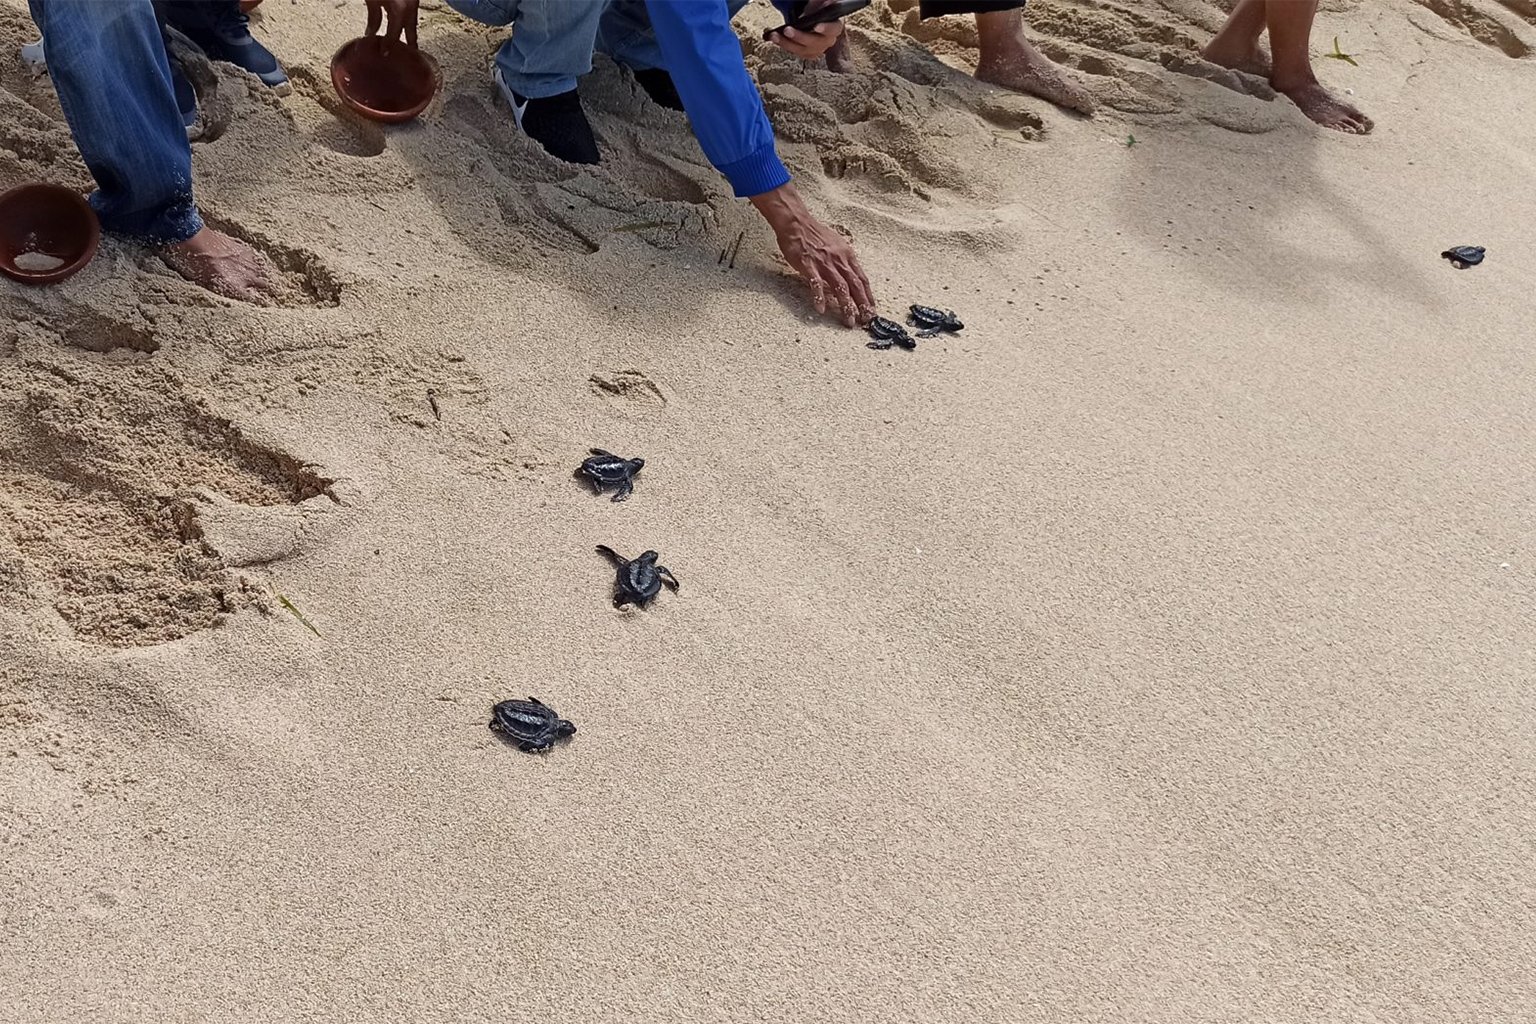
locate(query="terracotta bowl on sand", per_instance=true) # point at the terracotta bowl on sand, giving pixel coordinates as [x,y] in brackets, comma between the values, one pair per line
[47,233]
[384,81]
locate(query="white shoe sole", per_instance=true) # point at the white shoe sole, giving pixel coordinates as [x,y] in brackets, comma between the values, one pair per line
[33,57]
[518,109]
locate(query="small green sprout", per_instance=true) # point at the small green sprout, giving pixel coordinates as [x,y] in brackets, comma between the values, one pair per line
[1339,54]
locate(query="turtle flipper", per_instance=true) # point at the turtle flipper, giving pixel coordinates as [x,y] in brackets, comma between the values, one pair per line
[612,555]
[626,488]
[602,454]
[668,578]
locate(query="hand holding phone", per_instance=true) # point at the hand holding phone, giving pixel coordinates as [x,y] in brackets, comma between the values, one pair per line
[807,22]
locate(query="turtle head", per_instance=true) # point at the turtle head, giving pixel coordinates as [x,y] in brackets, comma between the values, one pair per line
[648,556]
[637,464]
[565,728]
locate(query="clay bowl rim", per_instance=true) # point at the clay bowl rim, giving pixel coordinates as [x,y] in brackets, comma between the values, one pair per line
[385,116]
[79,263]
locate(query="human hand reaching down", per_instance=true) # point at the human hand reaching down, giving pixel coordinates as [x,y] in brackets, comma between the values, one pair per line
[820,255]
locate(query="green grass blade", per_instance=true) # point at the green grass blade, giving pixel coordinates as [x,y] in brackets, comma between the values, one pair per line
[283,600]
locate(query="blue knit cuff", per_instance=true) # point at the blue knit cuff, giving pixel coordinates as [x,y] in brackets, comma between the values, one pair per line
[761,172]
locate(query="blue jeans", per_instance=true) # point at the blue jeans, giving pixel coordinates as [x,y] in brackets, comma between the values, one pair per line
[553,40]
[108,63]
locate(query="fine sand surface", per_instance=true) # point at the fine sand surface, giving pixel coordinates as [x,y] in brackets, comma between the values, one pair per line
[1161,649]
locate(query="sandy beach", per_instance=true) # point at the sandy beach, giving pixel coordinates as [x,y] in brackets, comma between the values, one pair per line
[1158,649]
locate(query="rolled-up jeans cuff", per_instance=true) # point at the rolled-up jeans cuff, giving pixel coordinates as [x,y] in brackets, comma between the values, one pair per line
[169,225]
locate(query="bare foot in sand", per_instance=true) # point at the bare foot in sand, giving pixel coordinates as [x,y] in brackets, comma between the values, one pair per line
[1324,107]
[1289,23]
[221,264]
[1010,60]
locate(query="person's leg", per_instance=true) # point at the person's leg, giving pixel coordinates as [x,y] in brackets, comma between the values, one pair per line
[1237,44]
[536,70]
[1010,60]
[113,79]
[110,69]
[551,46]
[1290,33]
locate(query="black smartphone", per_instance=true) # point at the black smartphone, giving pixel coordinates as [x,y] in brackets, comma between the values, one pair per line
[835,11]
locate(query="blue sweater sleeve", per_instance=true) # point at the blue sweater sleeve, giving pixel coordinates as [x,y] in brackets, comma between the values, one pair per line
[703,56]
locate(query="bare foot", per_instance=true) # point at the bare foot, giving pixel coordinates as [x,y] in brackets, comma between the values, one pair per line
[1015,64]
[1325,108]
[224,265]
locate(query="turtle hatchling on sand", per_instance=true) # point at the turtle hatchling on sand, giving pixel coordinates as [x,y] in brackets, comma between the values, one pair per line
[605,469]
[887,333]
[1464,256]
[531,724]
[932,320]
[639,579]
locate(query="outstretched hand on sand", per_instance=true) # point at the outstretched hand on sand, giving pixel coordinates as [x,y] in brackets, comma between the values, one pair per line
[821,255]
[402,17]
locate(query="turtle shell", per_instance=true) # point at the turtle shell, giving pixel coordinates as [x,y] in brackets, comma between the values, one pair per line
[888,332]
[607,467]
[640,579]
[930,316]
[525,720]
[1469,255]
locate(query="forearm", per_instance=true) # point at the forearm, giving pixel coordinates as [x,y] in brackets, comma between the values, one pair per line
[782,207]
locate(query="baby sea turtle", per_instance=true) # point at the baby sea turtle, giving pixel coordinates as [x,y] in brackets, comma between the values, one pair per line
[531,724]
[605,469]
[1464,256]
[639,579]
[887,333]
[934,320]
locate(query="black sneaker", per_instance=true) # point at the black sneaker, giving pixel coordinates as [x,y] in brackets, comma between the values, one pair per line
[555,122]
[219,29]
[658,83]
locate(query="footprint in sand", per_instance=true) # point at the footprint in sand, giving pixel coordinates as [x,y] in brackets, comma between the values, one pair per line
[629,386]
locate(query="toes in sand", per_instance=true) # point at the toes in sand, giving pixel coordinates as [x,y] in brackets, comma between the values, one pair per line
[1327,109]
